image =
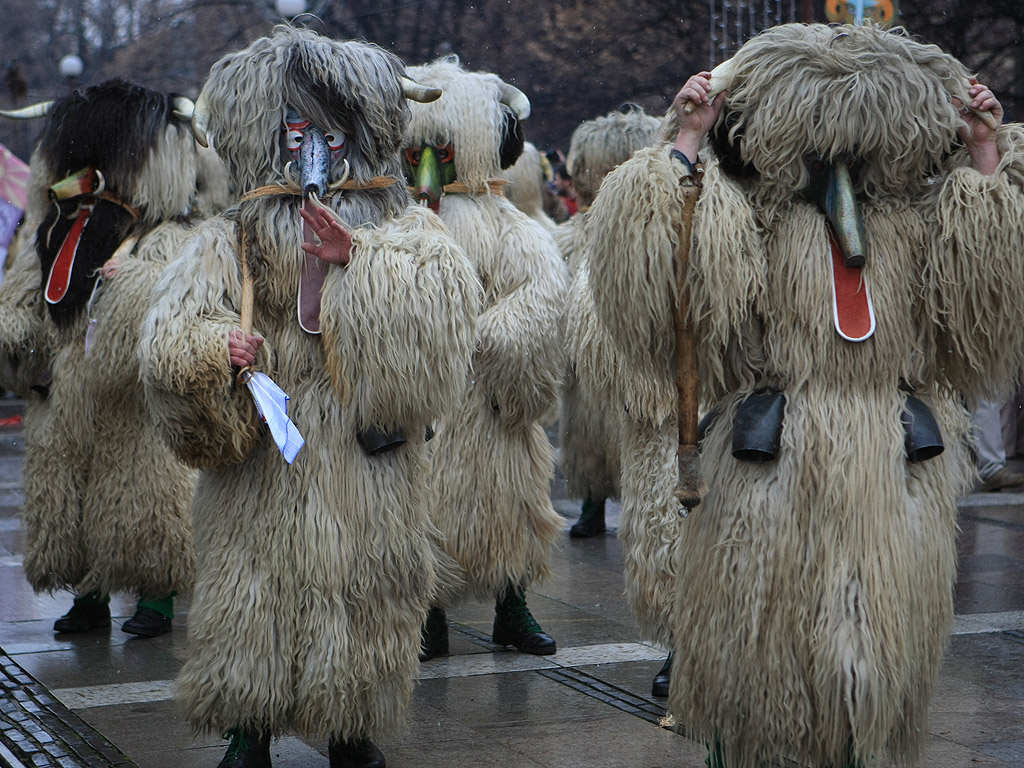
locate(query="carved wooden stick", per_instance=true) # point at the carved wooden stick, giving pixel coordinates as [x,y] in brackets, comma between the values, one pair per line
[689,485]
[248,299]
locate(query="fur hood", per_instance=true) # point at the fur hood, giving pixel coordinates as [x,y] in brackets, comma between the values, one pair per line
[352,86]
[875,98]
[486,133]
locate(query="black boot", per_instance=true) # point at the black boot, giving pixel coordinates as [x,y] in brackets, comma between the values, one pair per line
[515,625]
[355,754]
[247,749]
[152,617]
[88,612]
[434,635]
[147,623]
[591,522]
[661,680]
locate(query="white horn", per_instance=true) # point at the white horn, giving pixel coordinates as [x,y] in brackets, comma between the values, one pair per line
[184,107]
[27,113]
[201,121]
[516,100]
[421,93]
[721,79]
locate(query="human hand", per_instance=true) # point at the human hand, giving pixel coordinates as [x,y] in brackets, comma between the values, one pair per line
[335,240]
[976,131]
[242,348]
[695,112]
[109,268]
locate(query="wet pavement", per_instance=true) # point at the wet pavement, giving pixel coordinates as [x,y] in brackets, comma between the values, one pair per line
[106,698]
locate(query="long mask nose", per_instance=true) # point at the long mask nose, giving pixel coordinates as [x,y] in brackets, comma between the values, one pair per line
[428,181]
[314,162]
[835,196]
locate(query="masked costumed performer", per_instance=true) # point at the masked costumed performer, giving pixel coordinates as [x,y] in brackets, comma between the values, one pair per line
[858,224]
[492,460]
[589,427]
[589,430]
[116,171]
[313,578]
[527,185]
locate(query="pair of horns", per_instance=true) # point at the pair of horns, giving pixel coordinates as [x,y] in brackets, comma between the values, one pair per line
[201,112]
[183,108]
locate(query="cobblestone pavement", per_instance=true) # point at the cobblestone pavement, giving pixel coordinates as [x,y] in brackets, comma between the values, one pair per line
[106,699]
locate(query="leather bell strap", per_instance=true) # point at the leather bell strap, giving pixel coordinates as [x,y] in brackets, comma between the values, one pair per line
[59,279]
[852,309]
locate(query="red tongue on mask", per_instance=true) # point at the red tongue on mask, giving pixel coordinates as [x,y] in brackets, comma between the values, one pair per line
[60,273]
[311,282]
[852,310]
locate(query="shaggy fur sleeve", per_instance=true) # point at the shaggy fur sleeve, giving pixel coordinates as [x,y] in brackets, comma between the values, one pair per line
[633,241]
[632,238]
[208,419]
[25,342]
[975,277]
[398,322]
[565,237]
[594,359]
[519,358]
[121,303]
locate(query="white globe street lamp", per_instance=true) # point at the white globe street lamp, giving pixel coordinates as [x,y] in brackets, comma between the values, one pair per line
[71,66]
[290,8]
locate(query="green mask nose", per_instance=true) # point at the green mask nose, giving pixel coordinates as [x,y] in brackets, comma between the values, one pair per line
[430,168]
[425,173]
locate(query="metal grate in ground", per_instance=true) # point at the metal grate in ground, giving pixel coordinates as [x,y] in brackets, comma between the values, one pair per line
[37,731]
[609,694]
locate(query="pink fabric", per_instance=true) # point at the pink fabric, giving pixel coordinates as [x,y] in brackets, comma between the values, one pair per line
[13,179]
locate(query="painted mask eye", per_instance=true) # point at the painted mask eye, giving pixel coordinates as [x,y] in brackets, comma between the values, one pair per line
[295,129]
[293,139]
[446,154]
[335,139]
[412,156]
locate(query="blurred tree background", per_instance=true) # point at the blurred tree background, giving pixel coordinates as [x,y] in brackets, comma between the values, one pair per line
[575,59]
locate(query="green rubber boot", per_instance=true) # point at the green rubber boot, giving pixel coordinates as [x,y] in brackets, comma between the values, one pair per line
[515,625]
[247,749]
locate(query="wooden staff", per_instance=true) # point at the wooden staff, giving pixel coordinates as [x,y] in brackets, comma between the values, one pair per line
[248,299]
[689,486]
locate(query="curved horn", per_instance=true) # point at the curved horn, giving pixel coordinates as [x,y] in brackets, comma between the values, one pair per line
[184,107]
[516,100]
[27,113]
[421,93]
[201,121]
[721,79]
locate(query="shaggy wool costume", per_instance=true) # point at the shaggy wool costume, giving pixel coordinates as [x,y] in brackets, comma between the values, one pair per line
[808,599]
[106,503]
[313,578]
[527,185]
[492,462]
[589,429]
